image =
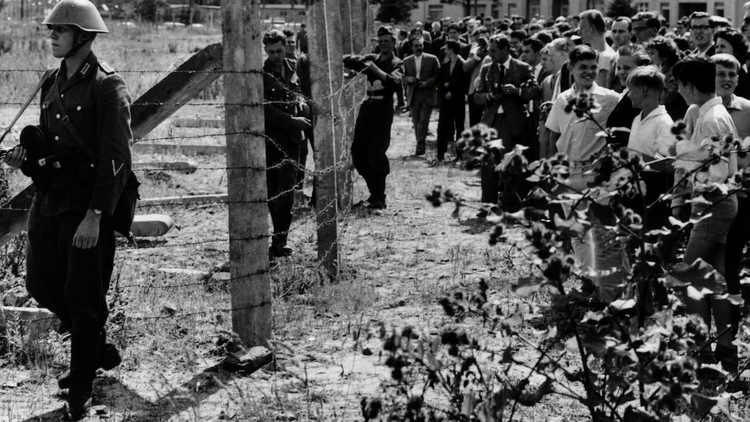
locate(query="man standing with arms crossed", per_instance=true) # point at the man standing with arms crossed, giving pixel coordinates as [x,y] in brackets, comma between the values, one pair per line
[420,71]
[372,132]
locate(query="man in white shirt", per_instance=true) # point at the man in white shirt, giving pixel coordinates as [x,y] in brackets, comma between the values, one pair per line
[651,133]
[599,249]
[708,237]
[592,29]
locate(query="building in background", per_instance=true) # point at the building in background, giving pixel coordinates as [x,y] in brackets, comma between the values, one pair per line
[671,9]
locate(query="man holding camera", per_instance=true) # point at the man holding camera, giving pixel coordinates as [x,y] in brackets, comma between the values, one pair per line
[505,86]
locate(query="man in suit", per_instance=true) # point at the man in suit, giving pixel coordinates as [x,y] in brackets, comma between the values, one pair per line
[453,83]
[531,54]
[503,88]
[420,71]
[454,33]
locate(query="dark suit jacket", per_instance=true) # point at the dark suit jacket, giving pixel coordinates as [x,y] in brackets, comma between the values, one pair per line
[463,51]
[622,116]
[458,81]
[428,73]
[437,44]
[514,106]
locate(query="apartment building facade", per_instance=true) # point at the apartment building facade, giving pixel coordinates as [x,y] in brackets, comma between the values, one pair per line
[671,9]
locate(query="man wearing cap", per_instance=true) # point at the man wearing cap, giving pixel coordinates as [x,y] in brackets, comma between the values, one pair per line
[85,111]
[372,132]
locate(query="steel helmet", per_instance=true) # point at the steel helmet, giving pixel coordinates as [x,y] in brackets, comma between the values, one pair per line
[80,13]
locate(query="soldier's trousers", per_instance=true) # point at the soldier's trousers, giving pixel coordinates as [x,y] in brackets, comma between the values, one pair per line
[372,137]
[282,161]
[71,282]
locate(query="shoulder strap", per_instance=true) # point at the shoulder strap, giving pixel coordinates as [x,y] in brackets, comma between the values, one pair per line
[73,131]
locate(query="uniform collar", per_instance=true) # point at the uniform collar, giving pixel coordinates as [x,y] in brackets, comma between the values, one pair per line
[87,68]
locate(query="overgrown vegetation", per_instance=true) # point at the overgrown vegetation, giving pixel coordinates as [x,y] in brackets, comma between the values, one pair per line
[619,360]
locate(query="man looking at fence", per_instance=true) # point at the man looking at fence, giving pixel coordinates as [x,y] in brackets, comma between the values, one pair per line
[372,132]
[285,111]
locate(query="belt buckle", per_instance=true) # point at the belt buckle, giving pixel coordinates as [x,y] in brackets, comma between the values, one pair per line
[65,120]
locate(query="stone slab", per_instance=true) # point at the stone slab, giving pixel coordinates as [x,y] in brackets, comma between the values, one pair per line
[254,359]
[150,225]
[186,167]
[177,149]
[215,123]
[188,199]
[33,322]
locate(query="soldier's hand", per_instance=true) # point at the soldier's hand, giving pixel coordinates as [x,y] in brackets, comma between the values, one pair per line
[87,233]
[15,156]
[301,123]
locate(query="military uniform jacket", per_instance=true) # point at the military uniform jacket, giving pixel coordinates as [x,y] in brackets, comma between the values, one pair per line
[282,101]
[380,91]
[97,103]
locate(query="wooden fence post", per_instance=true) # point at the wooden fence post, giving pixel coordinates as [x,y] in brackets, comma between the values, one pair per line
[346,99]
[326,70]
[246,157]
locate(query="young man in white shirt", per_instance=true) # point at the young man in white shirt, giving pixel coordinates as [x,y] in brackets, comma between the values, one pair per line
[599,250]
[708,236]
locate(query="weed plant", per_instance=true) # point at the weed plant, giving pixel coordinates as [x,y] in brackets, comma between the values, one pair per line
[619,360]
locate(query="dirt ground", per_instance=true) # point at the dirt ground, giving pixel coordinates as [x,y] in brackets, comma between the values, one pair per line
[395,265]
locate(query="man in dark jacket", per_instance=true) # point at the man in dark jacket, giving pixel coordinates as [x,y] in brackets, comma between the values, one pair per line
[285,112]
[372,132]
[71,240]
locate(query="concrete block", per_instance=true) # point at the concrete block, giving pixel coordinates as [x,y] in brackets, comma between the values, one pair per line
[184,271]
[186,167]
[188,199]
[32,322]
[151,225]
[249,362]
[215,123]
[177,149]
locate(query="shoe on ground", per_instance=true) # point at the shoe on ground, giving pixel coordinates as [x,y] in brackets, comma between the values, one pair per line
[280,251]
[377,205]
[76,410]
[420,153]
[109,358]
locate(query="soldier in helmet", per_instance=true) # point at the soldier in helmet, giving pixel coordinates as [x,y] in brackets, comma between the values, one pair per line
[71,242]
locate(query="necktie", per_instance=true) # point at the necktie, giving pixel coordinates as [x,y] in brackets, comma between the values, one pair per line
[502,74]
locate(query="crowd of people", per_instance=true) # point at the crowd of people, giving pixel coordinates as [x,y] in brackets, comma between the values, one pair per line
[515,77]
[518,78]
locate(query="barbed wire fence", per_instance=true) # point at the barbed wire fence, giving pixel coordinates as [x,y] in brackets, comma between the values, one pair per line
[140,289]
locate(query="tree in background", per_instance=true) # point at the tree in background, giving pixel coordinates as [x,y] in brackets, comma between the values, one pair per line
[621,8]
[151,10]
[400,10]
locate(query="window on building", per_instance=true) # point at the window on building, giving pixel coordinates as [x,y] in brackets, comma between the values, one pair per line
[719,9]
[596,4]
[664,10]
[642,7]
[435,11]
[534,9]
